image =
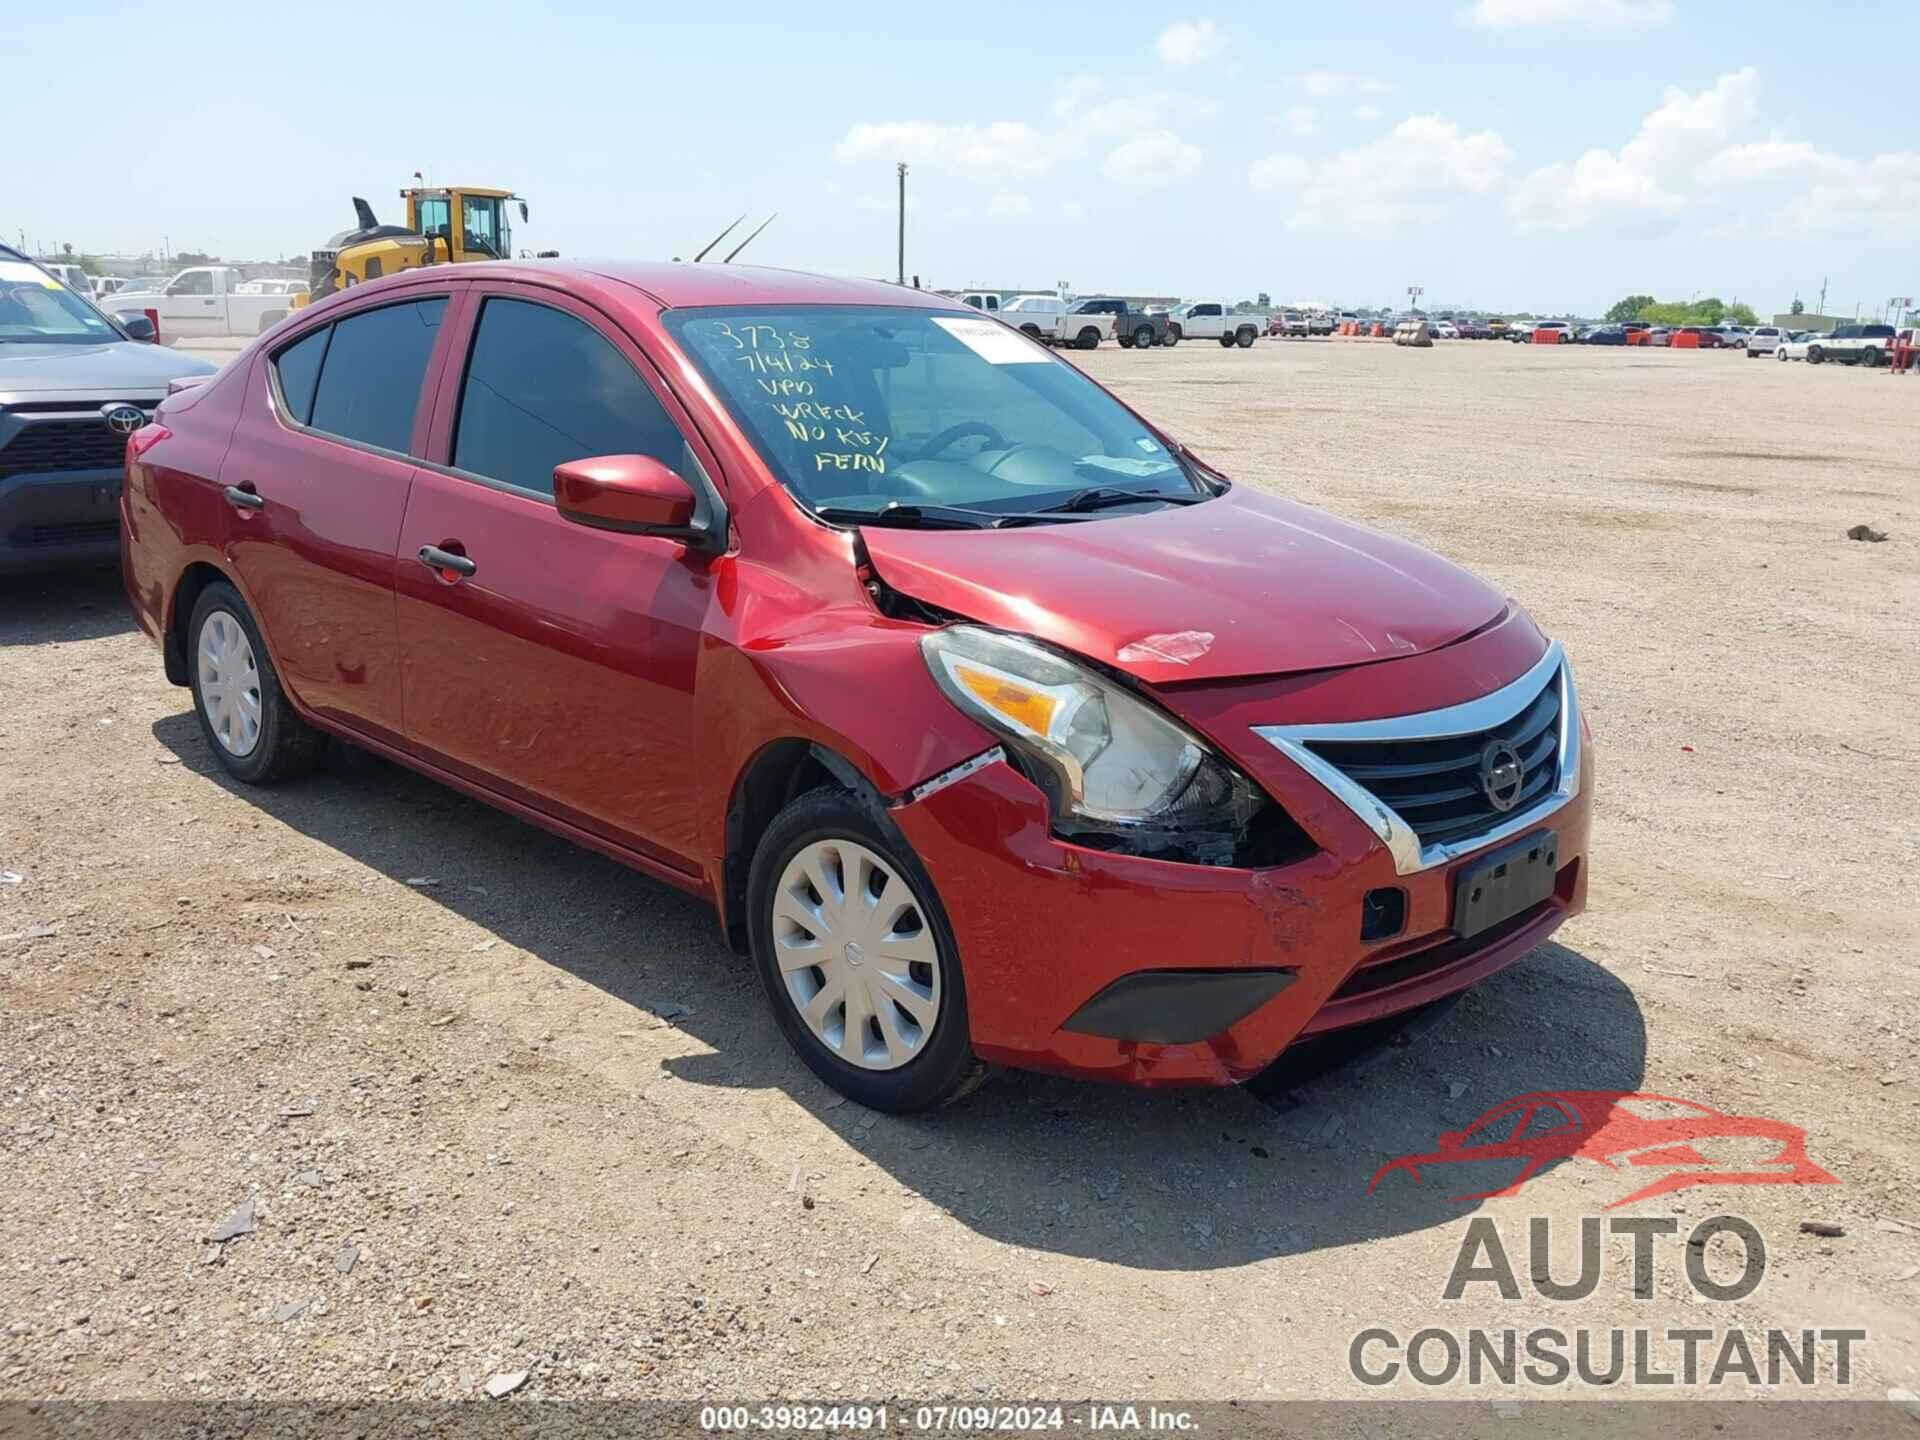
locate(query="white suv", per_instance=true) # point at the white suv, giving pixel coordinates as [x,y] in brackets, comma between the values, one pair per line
[1764,340]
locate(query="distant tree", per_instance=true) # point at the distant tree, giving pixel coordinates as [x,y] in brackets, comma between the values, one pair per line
[1799,306]
[1631,308]
[1742,314]
[191,258]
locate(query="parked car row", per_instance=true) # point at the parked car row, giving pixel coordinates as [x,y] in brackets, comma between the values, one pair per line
[1868,345]
[1082,324]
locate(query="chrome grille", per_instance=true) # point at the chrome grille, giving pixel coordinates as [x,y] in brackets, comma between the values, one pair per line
[1435,784]
[1425,783]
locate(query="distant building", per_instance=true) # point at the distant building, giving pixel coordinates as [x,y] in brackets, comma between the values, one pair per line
[1820,324]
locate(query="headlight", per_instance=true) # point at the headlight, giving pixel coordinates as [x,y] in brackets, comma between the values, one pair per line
[1117,772]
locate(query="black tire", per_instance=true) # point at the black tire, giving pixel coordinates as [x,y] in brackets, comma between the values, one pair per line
[1753,354]
[1032,332]
[1244,337]
[1143,338]
[1174,336]
[1870,357]
[1226,341]
[1815,355]
[287,747]
[947,1068]
[1125,342]
[1088,339]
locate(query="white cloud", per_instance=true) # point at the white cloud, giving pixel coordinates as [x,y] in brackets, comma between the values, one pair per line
[1278,170]
[1087,105]
[1001,147]
[1009,202]
[1776,160]
[1151,159]
[1653,171]
[1858,194]
[1581,14]
[1340,85]
[1301,120]
[1190,42]
[1421,164]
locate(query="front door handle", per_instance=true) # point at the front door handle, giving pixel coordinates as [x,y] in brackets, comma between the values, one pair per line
[246,499]
[446,562]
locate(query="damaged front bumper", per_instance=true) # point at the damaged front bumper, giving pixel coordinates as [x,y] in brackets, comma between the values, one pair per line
[1098,965]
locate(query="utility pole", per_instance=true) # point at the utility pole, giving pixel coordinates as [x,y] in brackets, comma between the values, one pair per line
[901,278]
[1821,309]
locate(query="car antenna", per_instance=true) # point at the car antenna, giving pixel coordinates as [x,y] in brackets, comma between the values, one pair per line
[749,240]
[718,238]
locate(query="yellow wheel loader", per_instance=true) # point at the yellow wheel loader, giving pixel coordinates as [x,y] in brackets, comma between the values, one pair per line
[444,226]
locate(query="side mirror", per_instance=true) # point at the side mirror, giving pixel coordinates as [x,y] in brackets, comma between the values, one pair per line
[138,327]
[635,494]
[523,212]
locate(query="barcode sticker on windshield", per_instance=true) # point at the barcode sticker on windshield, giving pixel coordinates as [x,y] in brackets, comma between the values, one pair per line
[994,342]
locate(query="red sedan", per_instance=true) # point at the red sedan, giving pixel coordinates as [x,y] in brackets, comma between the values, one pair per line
[998,727]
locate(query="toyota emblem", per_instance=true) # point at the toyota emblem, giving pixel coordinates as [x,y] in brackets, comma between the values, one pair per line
[1502,776]
[123,419]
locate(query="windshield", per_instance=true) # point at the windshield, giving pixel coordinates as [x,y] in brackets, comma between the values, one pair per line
[858,407]
[36,308]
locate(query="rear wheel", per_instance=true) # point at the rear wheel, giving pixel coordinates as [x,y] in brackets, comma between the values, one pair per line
[1815,355]
[1244,337]
[1174,336]
[856,956]
[1870,357]
[243,712]
[1143,338]
[1781,353]
[1089,339]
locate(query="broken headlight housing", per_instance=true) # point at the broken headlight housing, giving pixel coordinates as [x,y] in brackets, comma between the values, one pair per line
[1118,774]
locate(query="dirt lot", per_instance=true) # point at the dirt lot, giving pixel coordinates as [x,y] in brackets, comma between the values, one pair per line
[499,1106]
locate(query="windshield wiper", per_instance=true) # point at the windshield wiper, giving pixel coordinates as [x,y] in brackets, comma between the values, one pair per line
[939,517]
[919,517]
[1102,497]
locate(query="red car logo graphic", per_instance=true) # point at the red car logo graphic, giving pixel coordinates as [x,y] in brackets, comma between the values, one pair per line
[1618,1128]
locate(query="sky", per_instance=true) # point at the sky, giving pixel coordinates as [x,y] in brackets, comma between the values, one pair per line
[1545,155]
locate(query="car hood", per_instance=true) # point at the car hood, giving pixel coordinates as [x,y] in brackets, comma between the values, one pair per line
[115,365]
[1245,584]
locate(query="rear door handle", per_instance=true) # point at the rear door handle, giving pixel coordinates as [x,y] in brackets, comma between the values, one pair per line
[445,561]
[245,499]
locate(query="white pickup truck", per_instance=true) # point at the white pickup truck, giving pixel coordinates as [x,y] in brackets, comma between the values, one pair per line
[1044,317]
[205,300]
[1213,320]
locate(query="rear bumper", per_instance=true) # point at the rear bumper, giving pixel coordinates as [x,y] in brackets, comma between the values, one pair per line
[1044,927]
[53,519]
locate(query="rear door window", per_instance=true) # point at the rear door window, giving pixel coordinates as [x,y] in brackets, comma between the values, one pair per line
[375,365]
[544,387]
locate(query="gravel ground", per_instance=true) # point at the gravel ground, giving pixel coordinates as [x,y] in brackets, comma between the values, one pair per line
[465,1101]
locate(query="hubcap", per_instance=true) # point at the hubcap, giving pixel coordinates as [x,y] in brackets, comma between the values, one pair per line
[856,954]
[230,683]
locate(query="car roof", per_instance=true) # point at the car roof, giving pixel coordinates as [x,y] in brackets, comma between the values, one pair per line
[677,284]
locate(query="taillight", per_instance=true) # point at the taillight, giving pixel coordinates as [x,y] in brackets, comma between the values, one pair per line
[154,316]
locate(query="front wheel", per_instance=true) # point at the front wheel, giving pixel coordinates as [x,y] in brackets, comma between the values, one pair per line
[1815,355]
[857,958]
[245,715]
[1780,354]
[1174,336]
[1226,342]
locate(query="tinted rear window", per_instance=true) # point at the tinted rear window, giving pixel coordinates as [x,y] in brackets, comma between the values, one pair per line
[375,365]
[299,369]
